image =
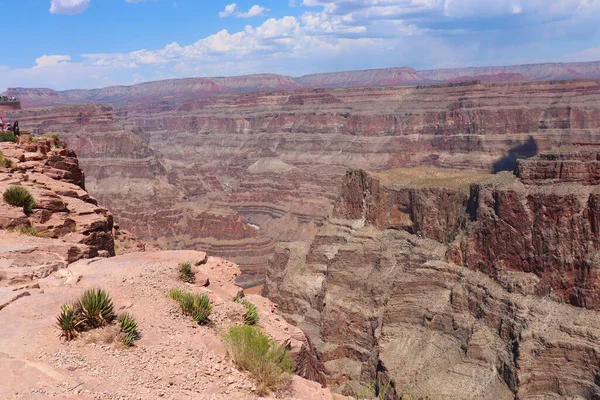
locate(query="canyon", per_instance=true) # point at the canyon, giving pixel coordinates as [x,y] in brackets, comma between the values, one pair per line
[453,284]
[67,244]
[235,174]
[188,88]
[434,240]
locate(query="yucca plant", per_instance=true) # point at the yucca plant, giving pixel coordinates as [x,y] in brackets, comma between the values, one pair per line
[198,306]
[251,314]
[202,308]
[19,196]
[186,274]
[96,308]
[129,328]
[69,321]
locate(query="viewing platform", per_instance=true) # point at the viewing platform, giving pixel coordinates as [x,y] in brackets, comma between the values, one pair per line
[8,104]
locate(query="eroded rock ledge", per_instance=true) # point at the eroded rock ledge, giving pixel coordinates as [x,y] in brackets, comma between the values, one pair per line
[451,284]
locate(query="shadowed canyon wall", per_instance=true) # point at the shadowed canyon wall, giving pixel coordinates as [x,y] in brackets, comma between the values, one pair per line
[235,173]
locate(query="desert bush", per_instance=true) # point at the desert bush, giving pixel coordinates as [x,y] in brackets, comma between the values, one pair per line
[53,136]
[128,327]
[96,308]
[26,230]
[186,274]
[5,162]
[268,362]
[19,196]
[198,306]
[251,314]
[69,321]
[7,137]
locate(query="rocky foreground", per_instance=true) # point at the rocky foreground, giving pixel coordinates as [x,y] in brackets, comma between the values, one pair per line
[66,245]
[454,284]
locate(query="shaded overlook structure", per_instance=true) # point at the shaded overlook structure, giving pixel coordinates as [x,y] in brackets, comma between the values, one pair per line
[8,104]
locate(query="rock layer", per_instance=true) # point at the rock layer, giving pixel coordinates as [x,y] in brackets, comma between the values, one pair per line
[232,174]
[451,285]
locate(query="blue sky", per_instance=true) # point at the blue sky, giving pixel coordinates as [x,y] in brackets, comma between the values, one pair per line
[65,44]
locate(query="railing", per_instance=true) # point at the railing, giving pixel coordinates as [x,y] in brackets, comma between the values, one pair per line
[9,100]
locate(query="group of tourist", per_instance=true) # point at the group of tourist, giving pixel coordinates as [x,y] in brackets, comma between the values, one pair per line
[8,98]
[14,128]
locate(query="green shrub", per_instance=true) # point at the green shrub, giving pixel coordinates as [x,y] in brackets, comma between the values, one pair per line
[19,196]
[175,294]
[128,328]
[53,136]
[5,162]
[26,230]
[186,274]
[251,314]
[198,306]
[69,321]
[96,308]
[268,362]
[7,137]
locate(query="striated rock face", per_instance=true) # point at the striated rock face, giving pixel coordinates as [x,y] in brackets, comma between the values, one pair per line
[175,89]
[450,284]
[169,210]
[235,173]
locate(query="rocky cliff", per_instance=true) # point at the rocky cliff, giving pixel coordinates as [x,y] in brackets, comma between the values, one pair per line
[232,174]
[451,284]
[65,245]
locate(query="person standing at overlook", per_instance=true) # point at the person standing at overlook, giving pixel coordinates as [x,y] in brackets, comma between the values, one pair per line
[16,129]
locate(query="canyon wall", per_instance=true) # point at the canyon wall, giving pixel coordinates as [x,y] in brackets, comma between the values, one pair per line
[451,284]
[235,173]
[189,88]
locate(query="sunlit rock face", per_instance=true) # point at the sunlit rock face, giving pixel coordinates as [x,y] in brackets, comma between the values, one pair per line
[235,173]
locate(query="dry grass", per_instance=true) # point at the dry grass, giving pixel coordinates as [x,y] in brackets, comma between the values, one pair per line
[268,362]
[423,177]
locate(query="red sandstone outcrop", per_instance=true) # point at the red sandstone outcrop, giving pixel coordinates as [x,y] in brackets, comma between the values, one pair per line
[45,266]
[451,284]
[63,211]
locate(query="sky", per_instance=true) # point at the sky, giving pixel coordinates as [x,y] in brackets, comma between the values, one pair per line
[68,44]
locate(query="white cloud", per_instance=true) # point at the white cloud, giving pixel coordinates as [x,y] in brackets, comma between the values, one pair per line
[47,61]
[229,10]
[338,35]
[233,10]
[68,7]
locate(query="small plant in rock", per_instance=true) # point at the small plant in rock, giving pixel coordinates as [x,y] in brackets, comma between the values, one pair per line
[198,306]
[251,314]
[128,327]
[69,321]
[96,308]
[19,196]
[26,230]
[175,294]
[7,137]
[186,274]
[269,363]
[5,162]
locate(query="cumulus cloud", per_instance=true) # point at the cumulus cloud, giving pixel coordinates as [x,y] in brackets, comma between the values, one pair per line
[233,10]
[68,7]
[46,61]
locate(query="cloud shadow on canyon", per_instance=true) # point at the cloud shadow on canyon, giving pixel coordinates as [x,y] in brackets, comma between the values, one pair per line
[518,152]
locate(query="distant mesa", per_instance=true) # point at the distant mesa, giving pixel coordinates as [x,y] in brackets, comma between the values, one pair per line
[168,90]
